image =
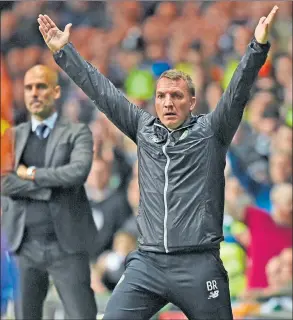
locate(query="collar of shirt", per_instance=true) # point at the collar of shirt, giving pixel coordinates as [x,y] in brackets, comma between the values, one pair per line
[50,122]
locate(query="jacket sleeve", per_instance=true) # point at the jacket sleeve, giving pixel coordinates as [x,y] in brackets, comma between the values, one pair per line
[226,117]
[100,90]
[15,187]
[76,171]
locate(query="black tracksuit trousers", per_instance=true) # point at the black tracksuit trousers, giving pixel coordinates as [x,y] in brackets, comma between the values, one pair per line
[196,282]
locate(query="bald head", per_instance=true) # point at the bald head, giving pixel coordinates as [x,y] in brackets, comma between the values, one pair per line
[41,89]
[42,70]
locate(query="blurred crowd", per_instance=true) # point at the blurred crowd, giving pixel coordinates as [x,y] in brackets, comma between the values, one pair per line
[132,43]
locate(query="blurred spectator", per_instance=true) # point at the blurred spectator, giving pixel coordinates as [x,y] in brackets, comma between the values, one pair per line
[8,30]
[279,275]
[123,61]
[213,94]
[241,36]
[83,13]
[78,108]
[283,70]
[282,140]
[110,266]
[281,166]
[31,56]
[9,277]
[268,235]
[14,62]
[166,11]
[19,109]
[194,53]
[130,224]
[279,272]
[27,32]
[109,204]
[150,30]
[279,169]
[232,247]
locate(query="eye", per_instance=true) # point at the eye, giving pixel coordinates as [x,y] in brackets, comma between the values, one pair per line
[177,95]
[42,86]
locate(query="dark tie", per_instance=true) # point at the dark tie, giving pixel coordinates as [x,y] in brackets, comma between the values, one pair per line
[41,130]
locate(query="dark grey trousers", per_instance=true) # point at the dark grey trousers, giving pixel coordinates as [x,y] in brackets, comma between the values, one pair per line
[195,282]
[71,276]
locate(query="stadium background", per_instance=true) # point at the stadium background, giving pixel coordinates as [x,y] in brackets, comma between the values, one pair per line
[132,43]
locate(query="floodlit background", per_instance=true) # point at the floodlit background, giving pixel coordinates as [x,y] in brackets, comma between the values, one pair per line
[132,43]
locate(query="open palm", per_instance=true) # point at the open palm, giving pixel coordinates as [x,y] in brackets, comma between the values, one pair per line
[54,37]
[265,23]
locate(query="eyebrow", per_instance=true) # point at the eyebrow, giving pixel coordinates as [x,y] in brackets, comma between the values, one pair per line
[173,92]
[36,84]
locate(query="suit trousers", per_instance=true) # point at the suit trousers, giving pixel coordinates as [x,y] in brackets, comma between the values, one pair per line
[196,282]
[36,260]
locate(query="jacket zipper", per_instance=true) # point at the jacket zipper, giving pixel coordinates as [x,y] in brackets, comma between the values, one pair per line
[165,194]
[166,185]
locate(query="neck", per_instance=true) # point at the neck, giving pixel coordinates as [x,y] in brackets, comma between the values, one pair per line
[184,123]
[42,118]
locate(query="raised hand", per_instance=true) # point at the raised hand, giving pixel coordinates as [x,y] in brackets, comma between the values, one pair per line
[261,33]
[54,37]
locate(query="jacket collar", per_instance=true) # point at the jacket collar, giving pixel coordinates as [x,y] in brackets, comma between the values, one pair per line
[162,131]
[50,122]
[190,121]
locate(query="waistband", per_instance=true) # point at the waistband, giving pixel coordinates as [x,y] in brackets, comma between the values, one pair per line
[180,250]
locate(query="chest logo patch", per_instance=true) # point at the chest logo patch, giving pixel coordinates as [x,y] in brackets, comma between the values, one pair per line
[184,135]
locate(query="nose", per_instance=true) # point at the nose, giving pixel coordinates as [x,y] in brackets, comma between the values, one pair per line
[168,101]
[34,91]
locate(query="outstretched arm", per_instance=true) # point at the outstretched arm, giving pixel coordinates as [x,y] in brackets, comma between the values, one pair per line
[99,89]
[226,118]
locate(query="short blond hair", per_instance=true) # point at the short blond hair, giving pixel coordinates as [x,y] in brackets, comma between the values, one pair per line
[174,74]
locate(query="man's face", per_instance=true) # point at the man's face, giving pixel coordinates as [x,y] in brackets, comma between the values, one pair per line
[40,93]
[283,208]
[280,167]
[173,102]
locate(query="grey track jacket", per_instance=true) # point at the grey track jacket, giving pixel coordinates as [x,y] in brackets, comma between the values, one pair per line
[181,173]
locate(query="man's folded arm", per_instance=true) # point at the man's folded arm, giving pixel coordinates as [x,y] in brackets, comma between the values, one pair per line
[13,186]
[76,171]
[124,114]
[226,117]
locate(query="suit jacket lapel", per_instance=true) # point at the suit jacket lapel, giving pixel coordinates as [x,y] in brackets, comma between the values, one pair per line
[53,139]
[20,141]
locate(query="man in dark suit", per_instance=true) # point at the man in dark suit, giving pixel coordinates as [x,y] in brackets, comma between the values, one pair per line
[46,215]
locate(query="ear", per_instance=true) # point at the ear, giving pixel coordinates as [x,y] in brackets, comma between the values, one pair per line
[192,103]
[57,92]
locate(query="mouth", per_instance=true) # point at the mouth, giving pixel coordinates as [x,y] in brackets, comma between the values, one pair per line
[36,103]
[170,114]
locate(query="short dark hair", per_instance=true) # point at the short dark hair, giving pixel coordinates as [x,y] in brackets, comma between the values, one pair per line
[174,74]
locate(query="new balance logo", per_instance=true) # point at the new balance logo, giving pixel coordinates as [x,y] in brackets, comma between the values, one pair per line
[213,294]
[213,289]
